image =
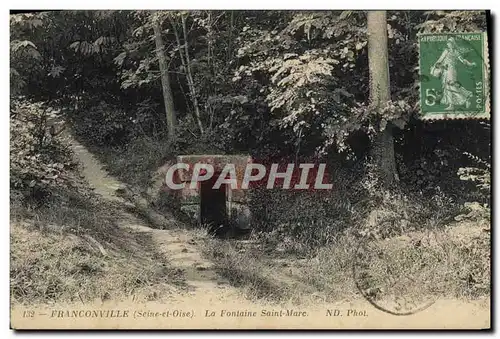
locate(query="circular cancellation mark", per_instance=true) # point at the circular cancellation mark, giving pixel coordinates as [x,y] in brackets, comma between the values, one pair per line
[389,278]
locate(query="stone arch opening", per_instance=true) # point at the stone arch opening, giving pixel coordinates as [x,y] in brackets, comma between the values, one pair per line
[213,208]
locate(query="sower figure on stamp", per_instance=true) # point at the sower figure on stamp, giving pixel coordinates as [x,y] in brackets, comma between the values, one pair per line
[445,67]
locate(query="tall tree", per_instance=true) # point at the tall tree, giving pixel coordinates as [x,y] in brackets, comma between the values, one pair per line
[187,64]
[382,152]
[165,79]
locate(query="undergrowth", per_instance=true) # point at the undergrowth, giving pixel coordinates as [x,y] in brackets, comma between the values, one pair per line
[304,243]
[66,245]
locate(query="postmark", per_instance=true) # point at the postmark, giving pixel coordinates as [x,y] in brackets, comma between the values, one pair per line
[454,76]
[388,276]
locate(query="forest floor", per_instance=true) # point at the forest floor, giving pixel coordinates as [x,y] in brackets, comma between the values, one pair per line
[178,246]
[205,273]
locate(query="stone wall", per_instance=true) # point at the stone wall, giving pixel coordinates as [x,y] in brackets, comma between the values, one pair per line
[236,199]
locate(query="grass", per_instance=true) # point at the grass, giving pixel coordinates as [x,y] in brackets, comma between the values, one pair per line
[76,253]
[136,163]
[244,271]
[435,262]
[419,266]
[312,253]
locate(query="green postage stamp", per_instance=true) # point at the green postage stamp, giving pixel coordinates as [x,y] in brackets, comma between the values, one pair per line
[454,76]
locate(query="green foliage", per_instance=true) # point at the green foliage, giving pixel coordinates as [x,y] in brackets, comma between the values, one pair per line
[480,174]
[281,85]
[108,124]
[307,218]
[275,84]
[453,21]
[23,55]
[39,163]
[303,61]
[288,74]
[135,163]
[16,82]
[104,124]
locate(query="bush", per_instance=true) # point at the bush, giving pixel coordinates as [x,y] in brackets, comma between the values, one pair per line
[103,124]
[39,163]
[301,221]
[305,219]
[66,245]
[137,161]
[188,140]
[479,174]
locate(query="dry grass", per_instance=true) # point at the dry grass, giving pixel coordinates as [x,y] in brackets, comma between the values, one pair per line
[135,163]
[244,270]
[421,265]
[310,248]
[77,253]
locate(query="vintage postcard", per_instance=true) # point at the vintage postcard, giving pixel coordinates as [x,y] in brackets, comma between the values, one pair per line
[250,170]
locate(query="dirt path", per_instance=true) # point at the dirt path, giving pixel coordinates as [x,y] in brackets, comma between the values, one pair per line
[178,246]
[210,302]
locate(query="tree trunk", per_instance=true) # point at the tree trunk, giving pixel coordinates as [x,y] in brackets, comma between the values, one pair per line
[230,41]
[382,151]
[190,76]
[165,81]
[184,55]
